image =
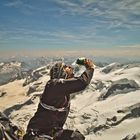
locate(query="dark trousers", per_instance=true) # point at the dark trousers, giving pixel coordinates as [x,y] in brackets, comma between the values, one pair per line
[65,135]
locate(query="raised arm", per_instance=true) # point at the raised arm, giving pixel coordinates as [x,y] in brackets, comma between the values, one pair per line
[77,84]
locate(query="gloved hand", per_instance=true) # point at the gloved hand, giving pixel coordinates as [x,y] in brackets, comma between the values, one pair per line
[85,62]
[88,63]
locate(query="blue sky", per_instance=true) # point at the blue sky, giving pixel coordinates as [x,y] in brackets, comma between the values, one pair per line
[35,25]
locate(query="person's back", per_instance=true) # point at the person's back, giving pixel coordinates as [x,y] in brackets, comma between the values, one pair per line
[54,104]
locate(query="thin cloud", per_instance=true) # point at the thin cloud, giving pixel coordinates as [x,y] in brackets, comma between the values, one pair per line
[22,6]
[116,13]
[123,14]
[86,36]
[110,15]
[15,3]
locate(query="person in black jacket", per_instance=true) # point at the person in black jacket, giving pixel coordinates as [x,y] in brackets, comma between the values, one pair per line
[54,105]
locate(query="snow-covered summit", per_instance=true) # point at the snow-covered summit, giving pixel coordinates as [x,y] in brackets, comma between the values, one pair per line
[109,108]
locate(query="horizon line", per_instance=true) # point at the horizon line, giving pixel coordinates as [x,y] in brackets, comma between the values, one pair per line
[125,52]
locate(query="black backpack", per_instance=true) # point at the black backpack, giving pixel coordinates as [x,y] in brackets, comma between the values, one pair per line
[8,131]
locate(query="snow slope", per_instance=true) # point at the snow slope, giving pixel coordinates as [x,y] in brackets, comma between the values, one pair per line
[114,117]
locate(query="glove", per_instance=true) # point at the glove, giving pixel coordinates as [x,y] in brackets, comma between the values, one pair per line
[88,64]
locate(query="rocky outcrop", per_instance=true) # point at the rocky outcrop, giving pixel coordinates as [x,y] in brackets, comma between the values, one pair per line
[32,89]
[97,129]
[135,136]
[111,67]
[2,93]
[100,85]
[132,112]
[120,87]
[129,113]
[34,75]
[9,71]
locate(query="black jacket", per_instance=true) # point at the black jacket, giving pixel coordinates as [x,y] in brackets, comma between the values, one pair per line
[57,93]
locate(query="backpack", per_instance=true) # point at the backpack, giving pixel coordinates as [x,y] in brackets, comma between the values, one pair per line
[8,131]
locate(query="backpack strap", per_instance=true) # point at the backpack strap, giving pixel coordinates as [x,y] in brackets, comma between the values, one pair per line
[5,135]
[8,131]
[1,132]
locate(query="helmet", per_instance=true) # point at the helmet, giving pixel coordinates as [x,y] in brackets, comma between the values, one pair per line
[57,71]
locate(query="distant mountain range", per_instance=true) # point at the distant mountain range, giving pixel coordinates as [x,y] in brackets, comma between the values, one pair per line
[17,67]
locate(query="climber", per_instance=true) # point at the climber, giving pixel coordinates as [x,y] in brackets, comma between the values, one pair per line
[54,105]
